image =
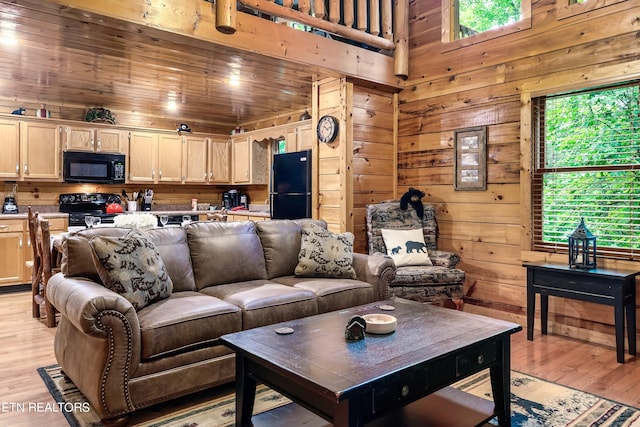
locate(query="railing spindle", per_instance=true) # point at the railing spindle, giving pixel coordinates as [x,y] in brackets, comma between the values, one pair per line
[362,15]
[374,16]
[334,11]
[347,13]
[387,19]
[304,6]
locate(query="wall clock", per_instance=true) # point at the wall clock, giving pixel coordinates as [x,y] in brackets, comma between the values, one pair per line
[327,128]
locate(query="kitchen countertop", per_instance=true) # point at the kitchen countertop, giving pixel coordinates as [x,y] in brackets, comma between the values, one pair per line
[46,215]
[51,215]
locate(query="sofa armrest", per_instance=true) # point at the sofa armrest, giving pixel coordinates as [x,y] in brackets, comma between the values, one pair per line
[379,270]
[83,302]
[444,258]
[98,342]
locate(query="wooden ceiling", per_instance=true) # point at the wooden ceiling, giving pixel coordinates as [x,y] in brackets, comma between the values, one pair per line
[79,60]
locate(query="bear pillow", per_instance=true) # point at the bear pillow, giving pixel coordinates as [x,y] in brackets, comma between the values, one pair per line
[406,247]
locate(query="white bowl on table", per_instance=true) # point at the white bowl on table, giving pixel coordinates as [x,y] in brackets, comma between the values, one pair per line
[380,323]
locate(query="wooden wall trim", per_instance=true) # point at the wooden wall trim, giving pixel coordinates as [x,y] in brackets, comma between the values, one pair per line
[526,164]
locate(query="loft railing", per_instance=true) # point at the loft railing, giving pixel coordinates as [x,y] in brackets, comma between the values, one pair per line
[380,24]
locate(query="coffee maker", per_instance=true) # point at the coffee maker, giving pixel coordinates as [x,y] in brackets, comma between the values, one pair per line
[10,206]
[230,199]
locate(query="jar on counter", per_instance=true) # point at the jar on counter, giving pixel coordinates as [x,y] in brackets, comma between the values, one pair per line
[194,204]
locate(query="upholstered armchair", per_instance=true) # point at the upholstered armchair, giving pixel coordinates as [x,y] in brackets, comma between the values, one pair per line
[415,278]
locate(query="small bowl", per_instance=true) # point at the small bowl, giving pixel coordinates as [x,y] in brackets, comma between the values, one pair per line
[380,323]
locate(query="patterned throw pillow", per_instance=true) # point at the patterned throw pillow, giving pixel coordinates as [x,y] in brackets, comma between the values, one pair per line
[131,266]
[325,254]
[406,247]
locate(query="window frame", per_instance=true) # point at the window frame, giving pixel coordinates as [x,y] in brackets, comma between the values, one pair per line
[448,23]
[538,171]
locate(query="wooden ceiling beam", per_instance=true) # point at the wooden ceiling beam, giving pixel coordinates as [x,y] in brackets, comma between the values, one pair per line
[195,19]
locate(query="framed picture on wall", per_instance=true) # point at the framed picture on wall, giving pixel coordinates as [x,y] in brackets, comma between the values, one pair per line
[470,163]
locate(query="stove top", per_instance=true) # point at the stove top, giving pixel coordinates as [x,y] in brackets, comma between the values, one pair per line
[79,205]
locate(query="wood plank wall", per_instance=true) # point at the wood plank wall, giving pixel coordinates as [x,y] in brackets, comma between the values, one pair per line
[358,168]
[374,142]
[488,84]
[140,119]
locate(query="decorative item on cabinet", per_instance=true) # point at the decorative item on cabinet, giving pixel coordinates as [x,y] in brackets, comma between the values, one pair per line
[184,128]
[20,111]
[100,115]
[43,112]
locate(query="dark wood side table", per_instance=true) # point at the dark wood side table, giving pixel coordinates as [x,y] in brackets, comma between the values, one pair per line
[608,286]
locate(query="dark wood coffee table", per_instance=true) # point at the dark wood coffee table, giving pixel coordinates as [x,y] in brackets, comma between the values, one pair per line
[351,383]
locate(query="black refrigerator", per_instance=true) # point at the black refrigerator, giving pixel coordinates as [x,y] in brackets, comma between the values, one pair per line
[290,195]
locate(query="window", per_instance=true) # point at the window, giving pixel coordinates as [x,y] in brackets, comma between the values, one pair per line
[477,16]
[587,164]
[466,22]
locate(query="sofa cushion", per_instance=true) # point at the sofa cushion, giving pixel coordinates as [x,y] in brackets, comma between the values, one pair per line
[225,252]
[333,294]
[280,240]
[325,254]
[185,321]
[406,247]
[76,253]
[264,302]
[131,266]
[172,246]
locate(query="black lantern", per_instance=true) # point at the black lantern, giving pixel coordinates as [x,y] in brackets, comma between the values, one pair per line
[582,247]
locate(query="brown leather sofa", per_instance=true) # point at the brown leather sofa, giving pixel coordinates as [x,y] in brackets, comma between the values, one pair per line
[227,277]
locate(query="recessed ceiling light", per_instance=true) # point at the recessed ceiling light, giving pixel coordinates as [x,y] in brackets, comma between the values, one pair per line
[172,105]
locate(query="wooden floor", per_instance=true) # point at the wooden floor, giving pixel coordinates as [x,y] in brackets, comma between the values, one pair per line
[27,344]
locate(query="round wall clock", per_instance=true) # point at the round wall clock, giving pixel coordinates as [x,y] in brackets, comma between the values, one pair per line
[327,129]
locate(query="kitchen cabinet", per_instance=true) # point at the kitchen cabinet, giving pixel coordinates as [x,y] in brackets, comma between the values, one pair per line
[10,143]
[141,161]
[154,157]
[219,160]
[12,248]
[169,158]
[84,138]
[250,160]
[194,169]
[56,226]
[304,137]
[16,249]
[40,150]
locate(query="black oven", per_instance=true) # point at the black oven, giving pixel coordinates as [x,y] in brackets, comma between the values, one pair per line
[101,168]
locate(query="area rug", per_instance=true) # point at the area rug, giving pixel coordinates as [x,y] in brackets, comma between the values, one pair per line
[534,403]
[213,408]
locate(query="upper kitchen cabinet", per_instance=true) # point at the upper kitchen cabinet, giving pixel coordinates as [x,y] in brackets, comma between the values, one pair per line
[304,137]
[10,143]
[170,158]
[85,138]
[194,169]
[141,161]
[219,160]
[250,160]
[154,157]
[40,151]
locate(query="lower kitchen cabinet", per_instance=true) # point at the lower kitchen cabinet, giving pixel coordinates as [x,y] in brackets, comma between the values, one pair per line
[16,249]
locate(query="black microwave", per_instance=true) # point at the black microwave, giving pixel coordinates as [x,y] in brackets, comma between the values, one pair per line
[102,168]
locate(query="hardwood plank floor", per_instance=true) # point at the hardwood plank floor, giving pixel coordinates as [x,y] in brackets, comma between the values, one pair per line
[27,344]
